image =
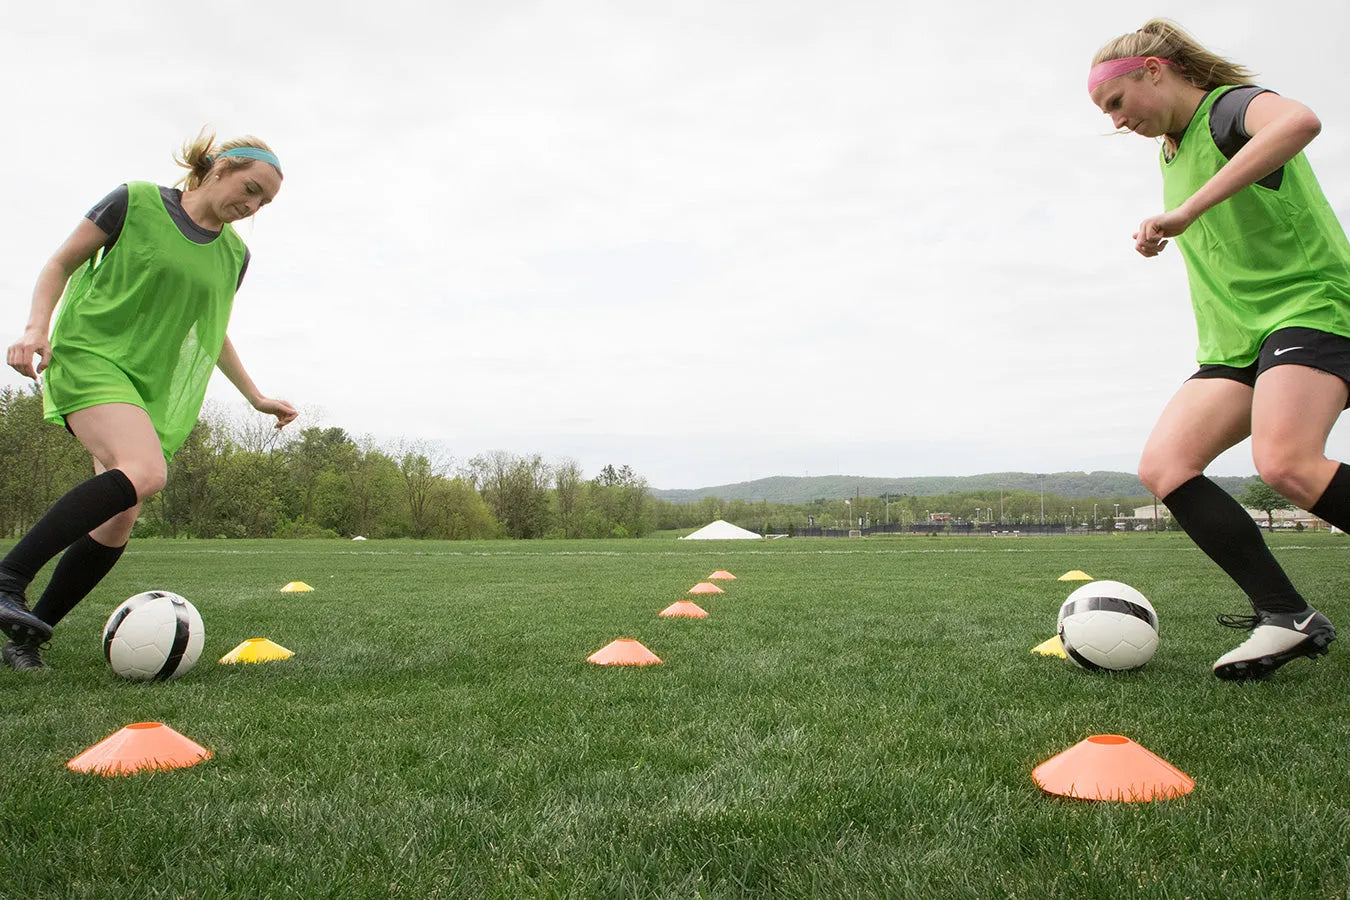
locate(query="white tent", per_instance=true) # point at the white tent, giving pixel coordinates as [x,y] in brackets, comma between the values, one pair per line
[721,531]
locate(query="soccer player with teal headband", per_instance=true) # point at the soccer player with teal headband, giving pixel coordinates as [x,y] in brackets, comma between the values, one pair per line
[140,329]
[1269,272]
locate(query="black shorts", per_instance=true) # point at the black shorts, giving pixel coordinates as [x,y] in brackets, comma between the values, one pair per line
[1291,346]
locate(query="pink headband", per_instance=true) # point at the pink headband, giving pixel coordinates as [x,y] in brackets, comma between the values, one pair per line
[1114,68]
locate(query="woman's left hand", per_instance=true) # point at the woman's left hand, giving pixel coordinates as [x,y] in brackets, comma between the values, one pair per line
[285,413]
[1153,232]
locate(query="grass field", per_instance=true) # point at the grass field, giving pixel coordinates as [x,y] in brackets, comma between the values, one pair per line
[855,718]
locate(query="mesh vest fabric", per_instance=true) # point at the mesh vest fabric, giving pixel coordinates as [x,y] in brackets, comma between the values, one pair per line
[1262,260]
[145,324]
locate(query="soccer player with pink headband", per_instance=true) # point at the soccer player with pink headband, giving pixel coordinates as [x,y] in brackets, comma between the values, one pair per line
[1269,271]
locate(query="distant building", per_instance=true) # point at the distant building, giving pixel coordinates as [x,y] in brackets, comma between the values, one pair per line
[1146,516]
[1283,518]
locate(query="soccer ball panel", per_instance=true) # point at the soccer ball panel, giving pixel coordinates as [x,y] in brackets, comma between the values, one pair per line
[154,635]
[1109,595]
[1108,625]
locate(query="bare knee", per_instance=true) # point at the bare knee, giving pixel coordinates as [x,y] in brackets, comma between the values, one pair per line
[1162,473]
[1298,476]
[1152,473]
[147,476]
[117,531]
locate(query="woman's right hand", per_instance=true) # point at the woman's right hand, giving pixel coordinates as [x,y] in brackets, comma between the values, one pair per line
[1151,238]
[21,353]
[77,250]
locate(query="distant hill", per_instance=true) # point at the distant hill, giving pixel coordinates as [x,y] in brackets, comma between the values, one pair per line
[787,489]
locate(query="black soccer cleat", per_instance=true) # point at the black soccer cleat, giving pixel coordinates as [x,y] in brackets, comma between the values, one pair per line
[22,656]
[1276,638]
[16,620]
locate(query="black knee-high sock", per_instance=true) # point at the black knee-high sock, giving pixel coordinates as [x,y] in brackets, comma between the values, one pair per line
[1334,504]
[80,569]
[84,507]
[1223,529]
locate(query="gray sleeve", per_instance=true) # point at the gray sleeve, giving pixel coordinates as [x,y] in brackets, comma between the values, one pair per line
[1228,117]
[110,213]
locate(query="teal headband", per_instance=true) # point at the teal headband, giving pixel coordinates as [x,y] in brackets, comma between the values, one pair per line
[253,153]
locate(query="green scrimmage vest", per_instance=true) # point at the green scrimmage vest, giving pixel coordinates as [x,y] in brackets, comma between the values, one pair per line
[145,323]
[1262,260]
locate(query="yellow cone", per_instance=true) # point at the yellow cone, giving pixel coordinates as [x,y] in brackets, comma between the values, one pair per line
[1052,647]
[1075,575]
[296,587]
[256,650]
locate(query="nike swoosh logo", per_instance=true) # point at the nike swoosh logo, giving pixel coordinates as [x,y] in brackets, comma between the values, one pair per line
[1284,350]
[1304,624]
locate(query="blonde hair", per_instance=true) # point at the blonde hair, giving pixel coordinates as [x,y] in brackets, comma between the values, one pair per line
[1165,39]
[201,155]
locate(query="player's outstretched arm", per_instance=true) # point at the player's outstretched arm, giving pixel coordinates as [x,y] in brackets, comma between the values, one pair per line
[234,370]
[77,250]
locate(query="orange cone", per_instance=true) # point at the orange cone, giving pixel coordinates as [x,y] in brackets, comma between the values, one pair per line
[623,652]
[721,575]
[1111,767]
[142,745]
[706,587]
[685,608]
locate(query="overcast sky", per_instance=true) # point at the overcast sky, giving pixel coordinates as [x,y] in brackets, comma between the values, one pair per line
[713,241]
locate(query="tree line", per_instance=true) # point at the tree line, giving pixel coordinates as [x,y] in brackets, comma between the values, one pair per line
[238,477]
[1009,508]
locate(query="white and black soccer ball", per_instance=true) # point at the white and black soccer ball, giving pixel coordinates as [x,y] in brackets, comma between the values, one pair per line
[1108,625]
[153,636]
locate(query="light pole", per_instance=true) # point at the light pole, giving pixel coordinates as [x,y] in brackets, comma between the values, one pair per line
[1094,515]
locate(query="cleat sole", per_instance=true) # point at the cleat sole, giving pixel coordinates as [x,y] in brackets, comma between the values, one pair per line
[23,626]
[1263,667]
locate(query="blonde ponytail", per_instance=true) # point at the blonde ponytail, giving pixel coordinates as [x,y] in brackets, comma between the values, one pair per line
[201,155]
[1165,39]
[196,158]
